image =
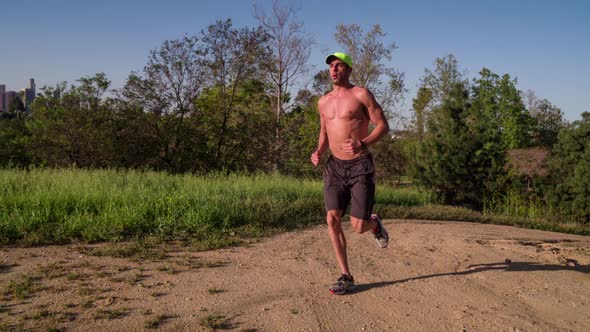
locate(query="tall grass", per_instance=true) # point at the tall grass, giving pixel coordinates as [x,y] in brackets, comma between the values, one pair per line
[65,205]
[43,206]
[514,204]
[533,212]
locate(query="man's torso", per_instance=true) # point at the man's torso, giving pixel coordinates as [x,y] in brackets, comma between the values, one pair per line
[344,117]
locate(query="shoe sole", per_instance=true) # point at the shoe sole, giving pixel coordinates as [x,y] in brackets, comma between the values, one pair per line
[344,291]
[386,236]
[381,246]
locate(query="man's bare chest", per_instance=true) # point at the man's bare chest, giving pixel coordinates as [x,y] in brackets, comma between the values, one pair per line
[343,109]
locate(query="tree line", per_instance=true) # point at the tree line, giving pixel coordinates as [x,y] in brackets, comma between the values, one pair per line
[224,100]
[481,143]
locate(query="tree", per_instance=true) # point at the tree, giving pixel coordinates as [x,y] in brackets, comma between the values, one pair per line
[458,160]
[13,135]
[515,121]
[443,78]
[529,163]
[421,107]
[92,89]
[570,170]
[322,83]
[167,89]
[503,106]
[291,50]
[72,127]
[436,84]
[16,107]
[547,122]
[391,158]
[233,59]
[248,128]
[530,100]
[369,54]
[135,144]
[547,119]
[301,131]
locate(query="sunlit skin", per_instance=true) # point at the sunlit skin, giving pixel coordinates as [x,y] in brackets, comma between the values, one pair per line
[345,114]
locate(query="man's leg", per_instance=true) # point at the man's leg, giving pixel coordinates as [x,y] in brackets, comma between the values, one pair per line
[334,219]
[363,196]
[345,283]
[374,225]
[361,226]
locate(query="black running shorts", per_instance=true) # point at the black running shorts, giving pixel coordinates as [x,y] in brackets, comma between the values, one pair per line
[346,180]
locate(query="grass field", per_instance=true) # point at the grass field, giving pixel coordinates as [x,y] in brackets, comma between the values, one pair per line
[43,206]
[60,206]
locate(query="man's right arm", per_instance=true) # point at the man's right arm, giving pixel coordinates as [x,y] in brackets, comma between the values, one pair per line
[322,140]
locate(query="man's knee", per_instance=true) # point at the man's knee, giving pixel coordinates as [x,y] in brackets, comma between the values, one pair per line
[358,225]
[334,219]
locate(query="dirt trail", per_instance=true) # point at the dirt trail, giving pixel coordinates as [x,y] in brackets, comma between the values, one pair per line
[435,276]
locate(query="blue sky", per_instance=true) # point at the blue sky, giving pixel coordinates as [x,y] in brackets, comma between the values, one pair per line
[544,44]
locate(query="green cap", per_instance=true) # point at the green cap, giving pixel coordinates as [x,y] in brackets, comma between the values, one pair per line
[339,55]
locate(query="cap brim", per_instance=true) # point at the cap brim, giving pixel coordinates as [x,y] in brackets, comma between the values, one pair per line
[331,58]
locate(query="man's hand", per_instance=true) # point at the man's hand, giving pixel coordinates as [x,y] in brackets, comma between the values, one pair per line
[352,146]
[315,157]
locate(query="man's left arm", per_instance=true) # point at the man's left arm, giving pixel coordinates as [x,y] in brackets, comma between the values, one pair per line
[376,116]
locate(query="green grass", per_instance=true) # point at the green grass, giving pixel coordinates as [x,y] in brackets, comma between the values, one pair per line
[215,322]
[157,321]
[22,287]
[53,206]
[43,206]
[111,314]
[215,290]
[143,249]
[533,212]
[60,206]
[452,213]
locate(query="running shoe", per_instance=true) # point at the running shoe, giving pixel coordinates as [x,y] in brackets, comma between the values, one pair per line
[344,284]
[381,235]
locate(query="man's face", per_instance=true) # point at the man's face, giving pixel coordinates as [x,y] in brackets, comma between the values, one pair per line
[339,71]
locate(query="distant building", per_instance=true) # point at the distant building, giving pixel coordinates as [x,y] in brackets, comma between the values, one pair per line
[3,106]
[9,96]
[27,96]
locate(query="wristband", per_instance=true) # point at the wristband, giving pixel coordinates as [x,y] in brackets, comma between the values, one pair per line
[363,146]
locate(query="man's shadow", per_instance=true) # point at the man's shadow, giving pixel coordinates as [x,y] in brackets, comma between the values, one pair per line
[508,266]
[6,268]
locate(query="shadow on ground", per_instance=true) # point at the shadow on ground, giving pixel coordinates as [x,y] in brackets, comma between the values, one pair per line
[572,265]
[6,268]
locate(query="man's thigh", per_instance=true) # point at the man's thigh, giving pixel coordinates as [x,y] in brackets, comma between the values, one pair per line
[363,197]
[336,197]
[363,190]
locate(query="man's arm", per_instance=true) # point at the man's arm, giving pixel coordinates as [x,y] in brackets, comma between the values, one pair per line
[376,116]
[322,140]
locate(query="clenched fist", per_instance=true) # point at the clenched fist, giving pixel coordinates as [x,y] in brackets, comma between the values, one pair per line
[352,146]
[315,158]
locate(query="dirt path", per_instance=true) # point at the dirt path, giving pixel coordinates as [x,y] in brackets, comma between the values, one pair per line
[436,276]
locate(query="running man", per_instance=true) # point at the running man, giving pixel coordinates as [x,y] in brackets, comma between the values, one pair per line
[345,114]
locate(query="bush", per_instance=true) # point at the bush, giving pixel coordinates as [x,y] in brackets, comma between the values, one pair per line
[570,171]
[461,159]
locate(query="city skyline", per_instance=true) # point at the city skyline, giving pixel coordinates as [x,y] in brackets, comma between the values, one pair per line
[27,95]
[542,44]
[19,88]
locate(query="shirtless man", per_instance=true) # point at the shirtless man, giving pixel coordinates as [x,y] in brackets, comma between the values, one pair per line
[345,113]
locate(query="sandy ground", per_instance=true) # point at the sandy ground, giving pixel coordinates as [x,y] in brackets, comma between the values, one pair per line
[435,276]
